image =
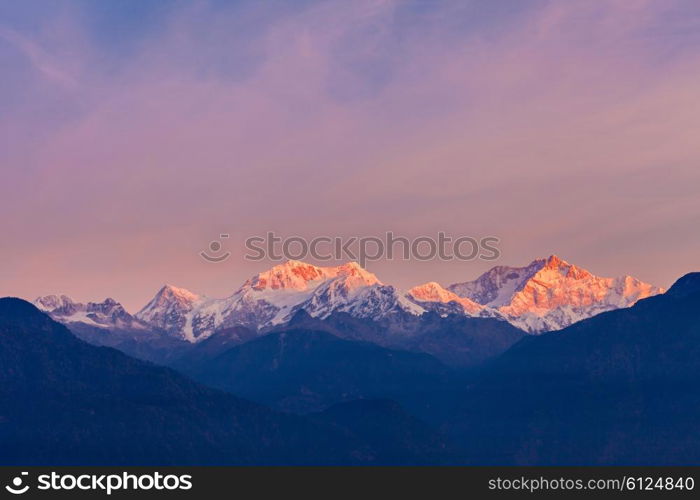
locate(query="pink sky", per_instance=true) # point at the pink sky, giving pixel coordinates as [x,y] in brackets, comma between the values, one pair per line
[565,127]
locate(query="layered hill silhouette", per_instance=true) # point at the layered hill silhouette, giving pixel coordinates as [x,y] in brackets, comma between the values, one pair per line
[63,401]
[619,388]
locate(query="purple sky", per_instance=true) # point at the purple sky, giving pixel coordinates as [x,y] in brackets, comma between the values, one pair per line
[132,135]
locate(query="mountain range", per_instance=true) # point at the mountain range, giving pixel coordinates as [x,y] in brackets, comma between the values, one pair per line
[619,388]
[548,294]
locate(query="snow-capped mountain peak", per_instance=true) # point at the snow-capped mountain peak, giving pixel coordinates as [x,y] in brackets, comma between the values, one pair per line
[58,303]
[169,308]
[555,264]
[291,275]
[352,276]
[272,297]
[170,293]
[550,293]
[297,275]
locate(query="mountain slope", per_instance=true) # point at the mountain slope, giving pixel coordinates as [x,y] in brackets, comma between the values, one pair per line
[456,340]
[303,370]
[619,388]
[464,342]
[108,324]
[63,401]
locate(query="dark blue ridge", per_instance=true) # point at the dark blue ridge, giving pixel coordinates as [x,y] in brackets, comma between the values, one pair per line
[686,285]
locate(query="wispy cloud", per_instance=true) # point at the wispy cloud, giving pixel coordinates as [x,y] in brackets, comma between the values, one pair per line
[42,61]
[554,126]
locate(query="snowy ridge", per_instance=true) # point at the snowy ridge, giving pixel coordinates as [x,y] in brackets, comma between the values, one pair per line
[432,294]
[106,314]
